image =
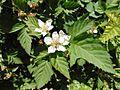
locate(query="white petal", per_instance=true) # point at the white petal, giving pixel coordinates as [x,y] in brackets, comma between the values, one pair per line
[43,33]
[38,30]
[55,35]
[48,22]
[61,48]
[50,27]
[65,43]
[61,33]
[61,40]
[95,31]
[51,49]
[66,37]
[48,40]
[40,23]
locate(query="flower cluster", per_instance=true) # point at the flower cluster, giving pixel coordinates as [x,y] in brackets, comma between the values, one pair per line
[58,40]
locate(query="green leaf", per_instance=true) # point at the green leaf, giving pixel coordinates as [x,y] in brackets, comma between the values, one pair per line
[13,59]
[58,10]
[41,55]
[81,62]
[61,65]
[28,86]
[25,40]
[1,3]
[92,14]
[112,29]
[75,85]
[17,27]
[42,73]
[87,1]
[118,54]
[99,7]
[32,23]
[111,3]
[21,4]
[90,7]
[80,26]
[17,60]
[100,83]
[110,32]
[117,84]
[71,5]
[91,50]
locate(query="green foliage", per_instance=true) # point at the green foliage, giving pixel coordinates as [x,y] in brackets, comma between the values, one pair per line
[61,65]
[85,57]
[92,52]
[98,7]
[80,26]
[12,58]
[17,27]
[112,29]
[41,73]
[25,40]
[71,5]
[77,86]
[1,3]
[111,3]
[20,4]
[32,23]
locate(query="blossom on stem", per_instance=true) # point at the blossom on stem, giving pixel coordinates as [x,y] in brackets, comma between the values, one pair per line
[44,28]
[94,30]
[57,41]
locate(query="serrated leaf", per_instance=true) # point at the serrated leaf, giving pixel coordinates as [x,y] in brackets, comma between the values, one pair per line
[110,32]
[41,55]
[32,23]
[111,3]
[61,65]
[112,29]
[71,5]
[25,40]
[76,85]
[99,7]
[42,73]
[20,4]
[28,86]
[58,10]
[80,26]
[12,58]
[91,50]
[90,7]
[17,27]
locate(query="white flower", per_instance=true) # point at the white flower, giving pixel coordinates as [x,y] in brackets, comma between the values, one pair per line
[44,28]
[57,42]
[94,30]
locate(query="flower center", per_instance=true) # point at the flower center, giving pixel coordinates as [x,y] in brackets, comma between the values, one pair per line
[45,28]
[55,43]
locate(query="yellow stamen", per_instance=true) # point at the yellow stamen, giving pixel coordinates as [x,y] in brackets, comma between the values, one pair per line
[45,28]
